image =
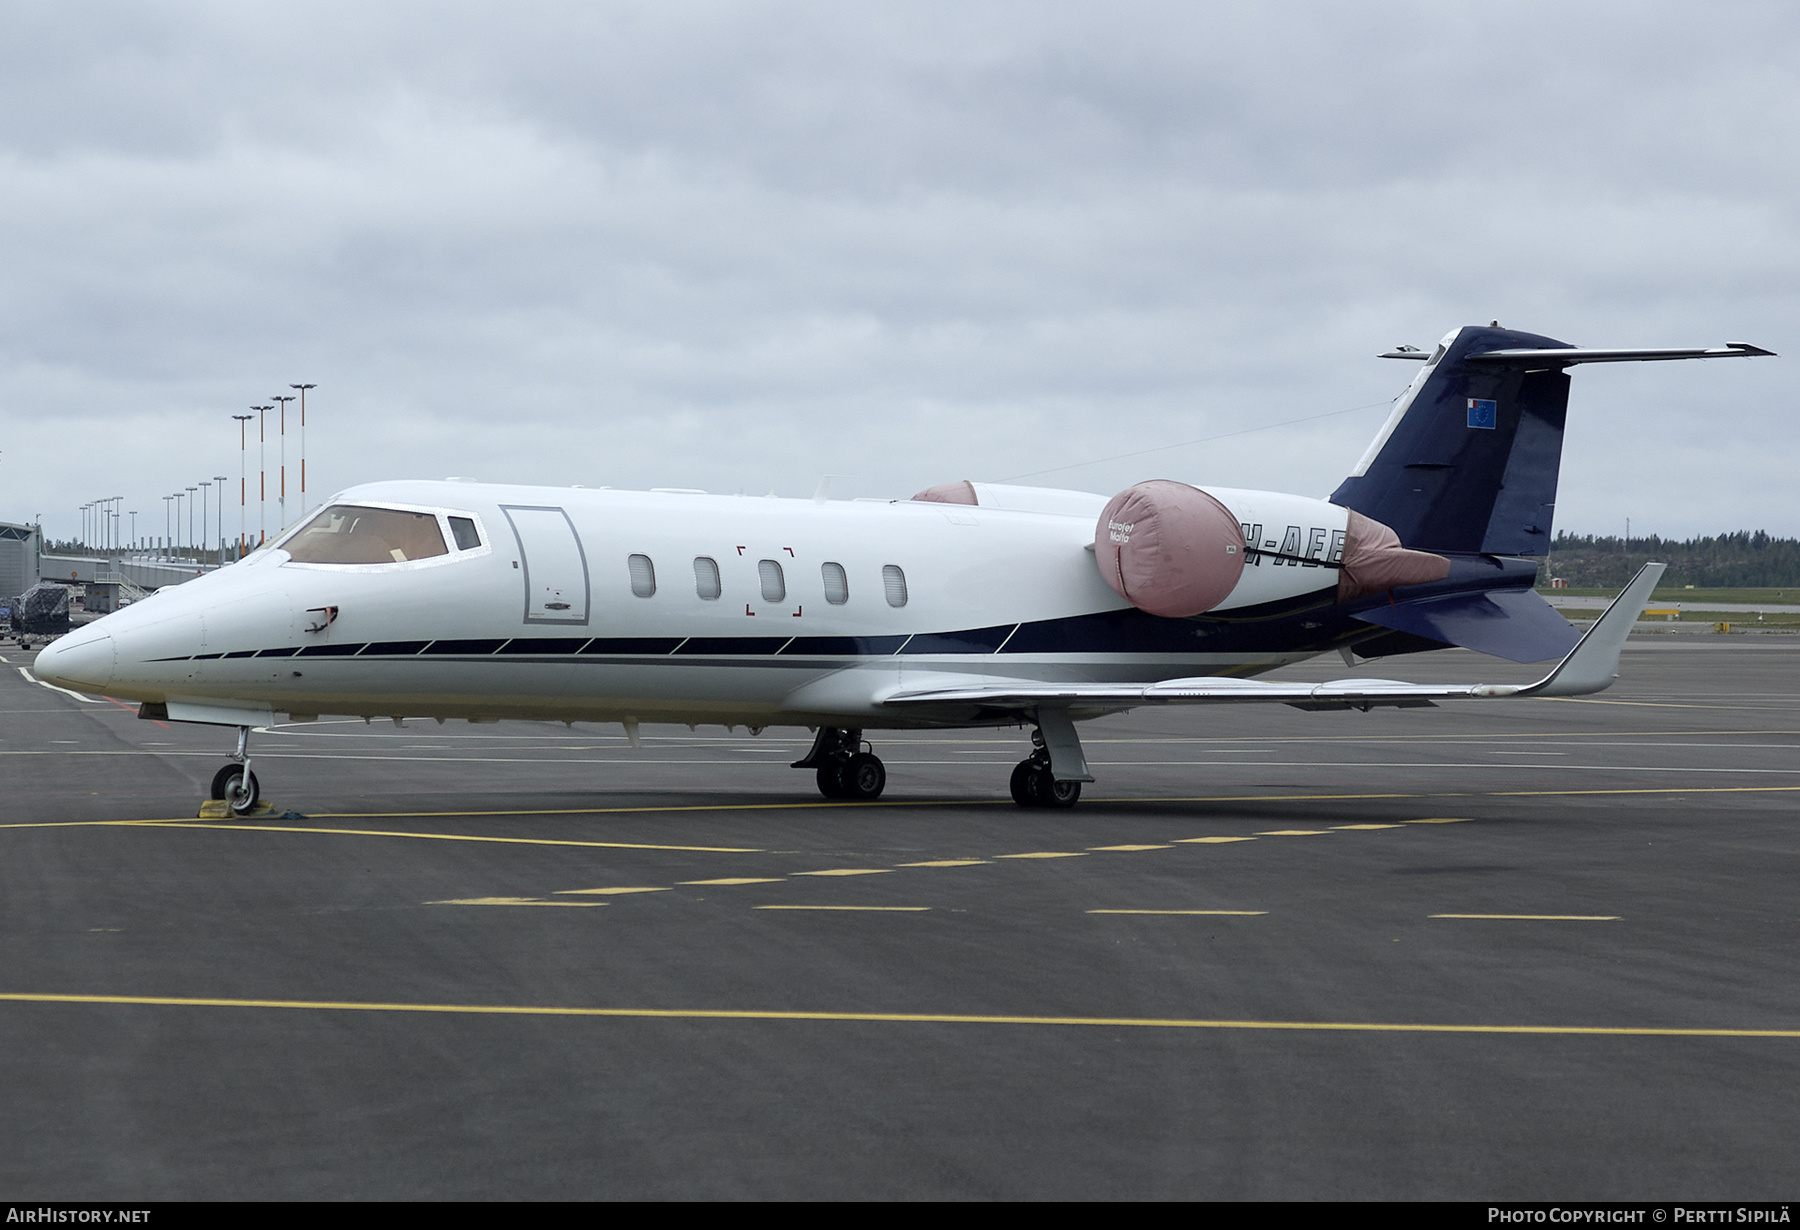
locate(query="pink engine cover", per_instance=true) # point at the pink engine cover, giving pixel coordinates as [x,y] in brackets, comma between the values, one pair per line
[1169,549]
[1374,560]
[961,492]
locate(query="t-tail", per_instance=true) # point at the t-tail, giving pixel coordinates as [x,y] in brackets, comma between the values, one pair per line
[1467,462]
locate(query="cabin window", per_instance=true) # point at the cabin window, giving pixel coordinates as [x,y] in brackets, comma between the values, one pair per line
[706,578]
[837,585]
[774,585]
[894,582]
[355,534]
[643,576]
[463,530]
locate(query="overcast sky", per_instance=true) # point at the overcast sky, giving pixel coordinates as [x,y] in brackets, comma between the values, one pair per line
[738,246]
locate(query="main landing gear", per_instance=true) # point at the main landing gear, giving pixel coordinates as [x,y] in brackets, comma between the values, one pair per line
[1034,785]
[845,771]
[1052,775]
[235,783]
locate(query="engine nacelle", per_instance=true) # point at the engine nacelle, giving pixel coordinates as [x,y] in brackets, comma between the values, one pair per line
[1176,550]
[1169,549]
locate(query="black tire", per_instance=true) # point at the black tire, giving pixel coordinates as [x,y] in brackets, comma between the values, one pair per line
[864,778]
[221,777]
[225,786]
[1052,793]
[831,779]
[1024,777]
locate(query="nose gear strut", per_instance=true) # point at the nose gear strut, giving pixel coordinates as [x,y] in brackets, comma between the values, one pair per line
[235,783]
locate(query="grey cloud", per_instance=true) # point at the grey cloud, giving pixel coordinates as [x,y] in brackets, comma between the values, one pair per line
[739,246]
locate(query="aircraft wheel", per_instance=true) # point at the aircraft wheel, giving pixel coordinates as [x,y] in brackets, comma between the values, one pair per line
[831,779]
[1058,794]
[238,787]
[865,777]
[1033,786]
[1024,783]
[223,776]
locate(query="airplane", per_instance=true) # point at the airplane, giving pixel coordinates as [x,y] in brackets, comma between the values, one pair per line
[971,604]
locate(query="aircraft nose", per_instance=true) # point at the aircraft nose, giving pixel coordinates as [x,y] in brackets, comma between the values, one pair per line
[80,663]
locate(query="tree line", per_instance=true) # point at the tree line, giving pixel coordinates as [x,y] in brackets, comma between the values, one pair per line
[1744,559]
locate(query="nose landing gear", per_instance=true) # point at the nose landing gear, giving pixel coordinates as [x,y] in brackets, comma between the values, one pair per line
[844,770]
[235,784]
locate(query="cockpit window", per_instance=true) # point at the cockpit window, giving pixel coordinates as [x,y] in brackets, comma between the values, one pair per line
[354,534]
[467,539]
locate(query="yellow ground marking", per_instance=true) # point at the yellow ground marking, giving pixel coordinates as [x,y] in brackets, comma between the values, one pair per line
[1128,847]
[189,822]
[1441,820]
[875,909]
[516,841]
[1503,794]
[847,871]
[898,1018]
[514,901]
[950,862]
[605,892]
[1540,917]
[1209,841]
[1365,826]
[1047,854]
[1294,833]
[1233,913]
[650,810]
[740,880]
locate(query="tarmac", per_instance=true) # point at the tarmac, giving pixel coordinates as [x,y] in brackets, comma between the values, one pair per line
[1503,950]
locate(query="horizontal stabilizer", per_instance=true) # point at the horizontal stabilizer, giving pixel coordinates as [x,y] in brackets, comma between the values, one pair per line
[1569,356]
[1508,623]
[1591,666]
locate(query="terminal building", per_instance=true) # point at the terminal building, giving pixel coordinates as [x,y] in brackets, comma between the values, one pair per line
[21,558]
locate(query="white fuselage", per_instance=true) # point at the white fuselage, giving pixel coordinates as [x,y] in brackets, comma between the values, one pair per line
[549,616]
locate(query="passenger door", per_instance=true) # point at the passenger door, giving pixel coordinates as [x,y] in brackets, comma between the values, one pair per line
[554,565]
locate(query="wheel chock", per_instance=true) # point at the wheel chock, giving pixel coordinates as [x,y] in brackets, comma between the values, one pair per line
[219,809]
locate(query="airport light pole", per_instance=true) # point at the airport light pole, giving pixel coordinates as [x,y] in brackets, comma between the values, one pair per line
[262,473]
[221,480]
[134,528]
[204,484]
[190,492]
[168,537]
[243,482]
[281,489]
[303,388]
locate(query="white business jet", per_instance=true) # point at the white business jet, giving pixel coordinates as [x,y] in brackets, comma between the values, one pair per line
[970,604]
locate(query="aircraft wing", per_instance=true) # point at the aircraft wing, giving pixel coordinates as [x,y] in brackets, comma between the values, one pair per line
[1590,666]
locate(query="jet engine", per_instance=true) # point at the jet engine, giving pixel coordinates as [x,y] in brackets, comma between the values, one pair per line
[1169,549]
[1174,550]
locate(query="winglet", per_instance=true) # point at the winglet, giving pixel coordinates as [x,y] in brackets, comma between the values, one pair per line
[1594,662]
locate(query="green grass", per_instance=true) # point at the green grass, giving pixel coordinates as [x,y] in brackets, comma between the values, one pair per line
[1786,597]
[1737,619]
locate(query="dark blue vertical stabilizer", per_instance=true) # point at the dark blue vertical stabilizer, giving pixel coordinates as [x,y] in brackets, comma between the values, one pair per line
[1468,462]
